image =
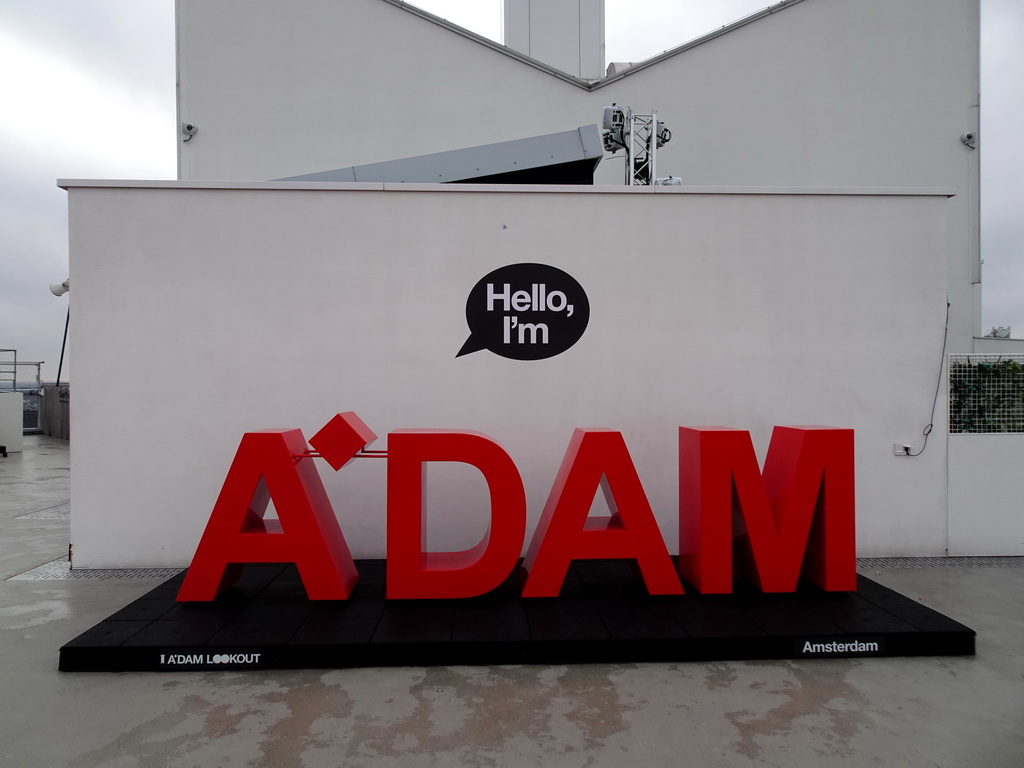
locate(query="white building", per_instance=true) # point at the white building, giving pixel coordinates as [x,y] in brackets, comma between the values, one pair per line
[809,93]
[801,275]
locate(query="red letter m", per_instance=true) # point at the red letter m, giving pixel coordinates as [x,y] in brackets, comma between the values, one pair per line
[798,518]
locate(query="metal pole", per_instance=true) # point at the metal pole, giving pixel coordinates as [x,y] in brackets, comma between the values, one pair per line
[60,366]
[627,136]
[652,143]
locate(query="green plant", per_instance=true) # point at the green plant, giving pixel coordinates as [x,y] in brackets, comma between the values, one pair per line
[986,396]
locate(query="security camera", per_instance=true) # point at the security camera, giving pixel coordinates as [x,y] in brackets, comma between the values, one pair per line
[189,129]
[59,289]
[969,139]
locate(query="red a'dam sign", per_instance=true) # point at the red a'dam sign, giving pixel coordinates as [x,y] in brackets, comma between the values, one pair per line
[796,518]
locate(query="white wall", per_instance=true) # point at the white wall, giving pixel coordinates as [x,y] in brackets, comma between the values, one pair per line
[815,93]
[11,420]
[202,313]
[986,516]
[567,34]
[991,346]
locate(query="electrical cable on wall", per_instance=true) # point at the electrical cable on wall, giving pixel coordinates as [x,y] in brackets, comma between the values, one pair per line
[942,361]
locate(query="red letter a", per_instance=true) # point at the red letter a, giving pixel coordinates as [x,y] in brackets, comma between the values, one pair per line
[597,457]
[268,466]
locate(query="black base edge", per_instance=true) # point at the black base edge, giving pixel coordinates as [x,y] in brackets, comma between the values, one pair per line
[604,616]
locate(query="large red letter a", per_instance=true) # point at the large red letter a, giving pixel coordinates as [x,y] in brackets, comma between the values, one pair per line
[268,465]
[597,458]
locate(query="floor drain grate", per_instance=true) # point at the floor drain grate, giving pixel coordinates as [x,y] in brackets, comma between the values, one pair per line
[940,562]
[59,512]
[60,570]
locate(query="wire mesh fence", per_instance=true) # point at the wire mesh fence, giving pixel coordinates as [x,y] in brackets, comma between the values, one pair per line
[986,393]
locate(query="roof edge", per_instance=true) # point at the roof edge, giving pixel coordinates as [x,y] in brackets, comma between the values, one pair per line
[588,85]
[707,37]
[493,45]
[610,189]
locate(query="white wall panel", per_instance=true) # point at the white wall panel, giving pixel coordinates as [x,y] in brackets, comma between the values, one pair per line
[986,516]
[12,419]
[202,313]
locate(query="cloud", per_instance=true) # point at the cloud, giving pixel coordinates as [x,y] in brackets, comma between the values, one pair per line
[128,42]
[88,91]
[481,16]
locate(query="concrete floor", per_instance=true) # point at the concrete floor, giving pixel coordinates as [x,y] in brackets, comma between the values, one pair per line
[948,712]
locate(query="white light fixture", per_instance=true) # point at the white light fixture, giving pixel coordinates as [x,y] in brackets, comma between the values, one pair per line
[998,332]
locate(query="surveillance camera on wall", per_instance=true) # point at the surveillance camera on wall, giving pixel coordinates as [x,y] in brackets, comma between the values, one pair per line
[189,129]
[969,139]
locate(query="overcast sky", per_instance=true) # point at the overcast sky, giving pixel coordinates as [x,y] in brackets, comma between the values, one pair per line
[87,91]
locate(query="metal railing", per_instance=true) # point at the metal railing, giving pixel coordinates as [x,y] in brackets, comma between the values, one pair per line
[13,378]
[8,368]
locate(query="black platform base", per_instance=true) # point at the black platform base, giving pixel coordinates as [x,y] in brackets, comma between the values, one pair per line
[603,615]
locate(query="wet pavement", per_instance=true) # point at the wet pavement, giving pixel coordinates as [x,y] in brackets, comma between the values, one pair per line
[948,712]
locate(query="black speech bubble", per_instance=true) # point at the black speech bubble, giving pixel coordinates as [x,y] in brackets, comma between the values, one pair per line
[530,320]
